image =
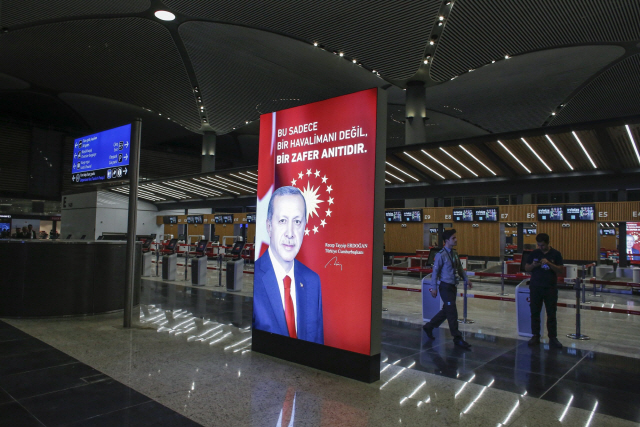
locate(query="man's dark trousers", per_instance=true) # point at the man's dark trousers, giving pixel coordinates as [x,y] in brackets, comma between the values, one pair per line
[548,296]
[449,311]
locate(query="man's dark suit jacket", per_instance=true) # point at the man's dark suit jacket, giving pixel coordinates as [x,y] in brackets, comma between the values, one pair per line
[268,311]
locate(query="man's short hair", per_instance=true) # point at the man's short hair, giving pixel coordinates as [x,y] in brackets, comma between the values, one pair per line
[542,237]
[286,191]
[448,233]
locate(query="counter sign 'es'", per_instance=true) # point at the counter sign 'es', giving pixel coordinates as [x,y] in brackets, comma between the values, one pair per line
[103,156]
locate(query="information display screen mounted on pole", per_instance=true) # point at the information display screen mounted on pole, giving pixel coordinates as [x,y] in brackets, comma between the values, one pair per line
[102,156]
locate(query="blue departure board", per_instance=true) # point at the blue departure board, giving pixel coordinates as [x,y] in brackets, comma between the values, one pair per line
[103,156]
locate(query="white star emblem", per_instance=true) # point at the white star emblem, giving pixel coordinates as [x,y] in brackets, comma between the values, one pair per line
[323,223]
[329,189]
[330,200]
[329,211]
[293,182]
[317,174]
[306,231]
[315,229]
[300,175]
[308,172]
[324,179]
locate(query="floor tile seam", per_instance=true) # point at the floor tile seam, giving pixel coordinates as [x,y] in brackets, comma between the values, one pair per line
[131,407]
[565,374]
[48,367]
[27,411]
[73,387]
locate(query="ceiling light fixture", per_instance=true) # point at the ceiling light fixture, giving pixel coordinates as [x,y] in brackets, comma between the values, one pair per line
[422,164]
[512,155]
[507,57]
[387,181]
[397,168]
[164,15]
[341,54]
[584,149]
[633,142]
[399,179]
[458,161]
[441,164]
[315,44]
[354,60]
[536,154]
[477,160]
[559,152]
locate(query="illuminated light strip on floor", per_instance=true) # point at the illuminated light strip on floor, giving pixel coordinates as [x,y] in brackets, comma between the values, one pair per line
[423,165]
[559,152]
[400,170]
[477,398]
[458,161]
[463,386]
[220,339]
[237,344]
[477,160]
[566,409]
[584,149]
[593,411]
[441,164]
[633,142]
[399,179]
[506,420]
[512,155]
[417,389]
[536,154]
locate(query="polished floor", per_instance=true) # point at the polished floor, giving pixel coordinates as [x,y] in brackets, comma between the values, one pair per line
[190,356]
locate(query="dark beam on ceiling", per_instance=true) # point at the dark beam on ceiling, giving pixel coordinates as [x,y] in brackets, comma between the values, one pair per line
[549,183]
[525,133]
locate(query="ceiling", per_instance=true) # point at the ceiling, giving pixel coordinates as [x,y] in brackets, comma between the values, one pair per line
[489,68]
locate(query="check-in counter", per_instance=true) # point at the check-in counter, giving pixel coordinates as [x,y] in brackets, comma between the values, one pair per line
[40,278]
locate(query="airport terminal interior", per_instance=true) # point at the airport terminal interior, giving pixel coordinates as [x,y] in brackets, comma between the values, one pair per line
[404,120]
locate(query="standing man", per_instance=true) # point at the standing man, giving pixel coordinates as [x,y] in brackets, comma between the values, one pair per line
[446,271]
[31,233]
[287,295]
[545,263]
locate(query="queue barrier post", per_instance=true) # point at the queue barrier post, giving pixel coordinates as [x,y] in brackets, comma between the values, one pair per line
[158,244]
[502,280]
[464,307]
[219,268]
[186,261]
[578,335]
[420,266]
[595,294]
[584,279]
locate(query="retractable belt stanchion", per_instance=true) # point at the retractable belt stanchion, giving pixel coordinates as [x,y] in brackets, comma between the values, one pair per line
[464,305]
[502,280]
[595,294]
[186,261]
[219,267]
[420,266]
[577,287]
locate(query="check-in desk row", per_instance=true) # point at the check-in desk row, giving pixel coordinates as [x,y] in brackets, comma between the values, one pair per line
[64,277]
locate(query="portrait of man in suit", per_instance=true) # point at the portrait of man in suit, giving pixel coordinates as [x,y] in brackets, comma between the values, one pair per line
[287,297]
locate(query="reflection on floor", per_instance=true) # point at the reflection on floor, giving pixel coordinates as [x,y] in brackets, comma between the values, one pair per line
[191,352]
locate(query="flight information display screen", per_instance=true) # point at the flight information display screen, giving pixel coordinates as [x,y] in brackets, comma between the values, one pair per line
[579,213]
[463,215]
[550,213]
[102,156]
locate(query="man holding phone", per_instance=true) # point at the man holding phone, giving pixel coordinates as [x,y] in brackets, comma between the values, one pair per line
[544,264]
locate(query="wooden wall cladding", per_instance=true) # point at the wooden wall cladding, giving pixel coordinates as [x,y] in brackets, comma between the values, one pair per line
[577,242]
[171,229]
[518,213]
[159,220]
[478,241]
[195,230]
[403,239]
[251,233]
[609,242]
[437,215]
[618,211]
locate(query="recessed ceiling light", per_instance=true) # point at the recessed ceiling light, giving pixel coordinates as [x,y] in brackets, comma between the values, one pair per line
[164,15]
[315,44]
[341,54]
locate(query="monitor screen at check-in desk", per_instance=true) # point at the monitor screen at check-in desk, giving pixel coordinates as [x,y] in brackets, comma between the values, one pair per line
[201,247]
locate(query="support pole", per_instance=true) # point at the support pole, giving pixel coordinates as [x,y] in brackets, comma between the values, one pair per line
[134,167]
[578,335]
[464,307]
[502,279]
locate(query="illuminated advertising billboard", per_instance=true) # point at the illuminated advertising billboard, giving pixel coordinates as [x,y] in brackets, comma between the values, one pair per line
[633,241]
[315,221]
[103,156]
